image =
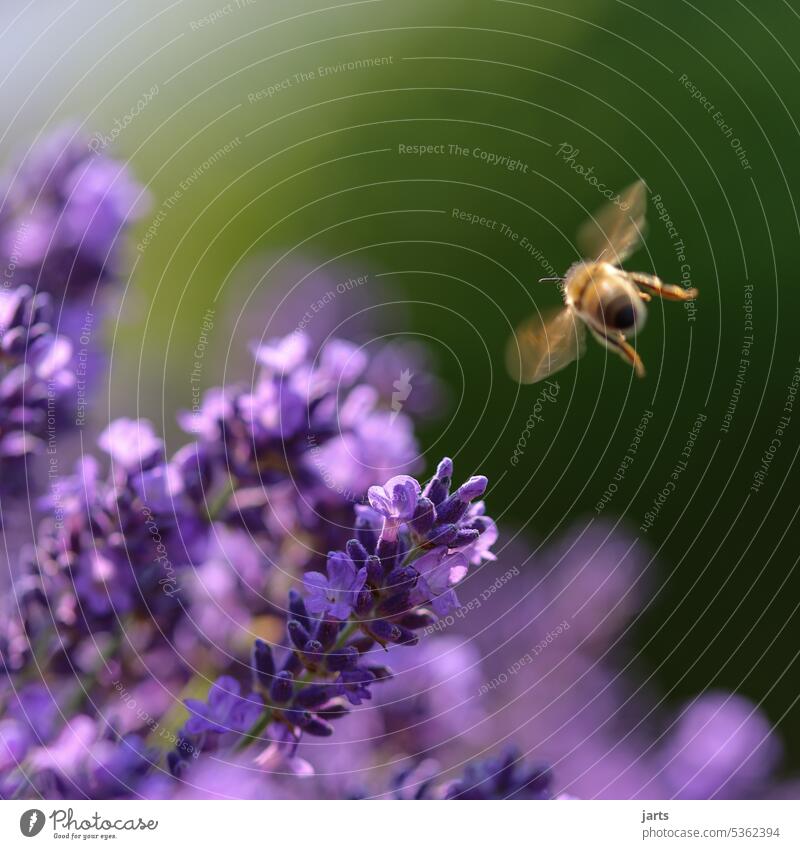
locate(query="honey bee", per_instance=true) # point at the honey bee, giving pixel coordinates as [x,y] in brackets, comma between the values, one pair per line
[598,294]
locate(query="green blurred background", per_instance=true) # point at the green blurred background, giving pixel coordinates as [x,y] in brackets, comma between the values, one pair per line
[313,172]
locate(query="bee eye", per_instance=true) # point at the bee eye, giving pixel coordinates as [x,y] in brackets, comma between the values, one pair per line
[622,313]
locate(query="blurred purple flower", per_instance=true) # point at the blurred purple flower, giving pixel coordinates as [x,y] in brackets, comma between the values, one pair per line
[64,215]
[723,747]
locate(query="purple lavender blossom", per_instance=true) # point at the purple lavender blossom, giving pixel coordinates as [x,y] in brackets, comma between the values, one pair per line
[299,445]
[397,500]
[337,593]
[132,444]
[439,572]
[226,710]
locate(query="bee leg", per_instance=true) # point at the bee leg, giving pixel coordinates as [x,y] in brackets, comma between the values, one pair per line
[654,286]
[645,296]
[617,342]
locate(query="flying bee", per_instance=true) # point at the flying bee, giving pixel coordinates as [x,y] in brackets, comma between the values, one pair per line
[598,294]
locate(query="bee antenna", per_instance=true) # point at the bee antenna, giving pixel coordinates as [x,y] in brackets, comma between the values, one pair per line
[550,279]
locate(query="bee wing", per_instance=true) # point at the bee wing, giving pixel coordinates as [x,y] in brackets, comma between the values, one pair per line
[544,344]
[617,229]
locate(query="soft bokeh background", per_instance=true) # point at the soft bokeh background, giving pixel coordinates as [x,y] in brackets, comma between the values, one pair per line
[310,179]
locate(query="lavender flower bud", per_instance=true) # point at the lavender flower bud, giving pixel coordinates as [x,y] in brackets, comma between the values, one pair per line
[439,485]
[292,664]
[405,637]
[345,658]
[263,663]
[297,608]
[451,510]
[458,503]
[358,554]
[298,634]
[333,711]
[465,537]
[387,550]
[395,604]
[381,673]
[383,631]
[418,619]
[375,572]
[473,488]
[327,631]
[313,696]
[366,533]
[444,535]
[314,725]
[424,516]
[363,602]
[282,686]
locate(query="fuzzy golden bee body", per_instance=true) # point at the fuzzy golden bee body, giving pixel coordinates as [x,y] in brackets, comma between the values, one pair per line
[598,295]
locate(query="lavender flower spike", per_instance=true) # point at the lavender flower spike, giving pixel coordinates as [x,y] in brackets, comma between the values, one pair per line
[363,600]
